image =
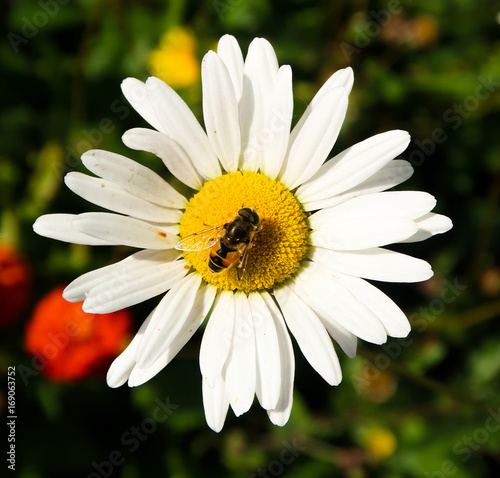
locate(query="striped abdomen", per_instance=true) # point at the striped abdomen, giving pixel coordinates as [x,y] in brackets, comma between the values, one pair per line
[221,257]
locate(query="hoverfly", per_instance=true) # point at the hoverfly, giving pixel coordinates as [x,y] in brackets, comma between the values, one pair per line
[229,243]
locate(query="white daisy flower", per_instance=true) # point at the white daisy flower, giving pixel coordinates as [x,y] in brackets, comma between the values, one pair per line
[321,231]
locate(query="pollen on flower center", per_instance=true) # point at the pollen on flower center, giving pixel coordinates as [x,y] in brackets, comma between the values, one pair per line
[278,246]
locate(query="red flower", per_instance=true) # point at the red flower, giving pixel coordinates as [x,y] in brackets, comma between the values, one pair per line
[15,285]
[71,344]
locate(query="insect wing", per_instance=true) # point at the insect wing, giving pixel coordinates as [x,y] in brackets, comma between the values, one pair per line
[200,240]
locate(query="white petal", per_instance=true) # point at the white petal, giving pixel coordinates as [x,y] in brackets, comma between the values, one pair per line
[311,335]
[343,78]
[215,403]
[374,263]
[124,230]
[79,288]
[340,79]
[136,94]
[362,233]
[310,147]
[180,124]
[261,63]
[217,338]
[281,413]
[268,353]
[60,227]
[347,341]
[260,70]
[230,53]
[407,204]
[430,225]
[133,177]
[390,315]
[220,111]
[278,117]
[241,361]
[110,196]
[203,302]
[168,150]
[331,299]
[168,320]
[122,366]
[120,369]
[133,283]
[353,166]
[392,174]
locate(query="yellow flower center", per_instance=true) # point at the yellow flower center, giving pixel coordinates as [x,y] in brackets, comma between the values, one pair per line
[278,246]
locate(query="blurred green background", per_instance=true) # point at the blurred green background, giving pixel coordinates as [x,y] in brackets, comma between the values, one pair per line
[425,406]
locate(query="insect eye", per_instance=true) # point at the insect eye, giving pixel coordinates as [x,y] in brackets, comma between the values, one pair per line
[251,215]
